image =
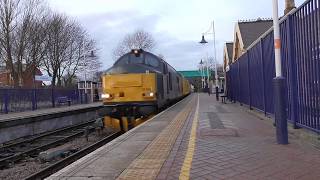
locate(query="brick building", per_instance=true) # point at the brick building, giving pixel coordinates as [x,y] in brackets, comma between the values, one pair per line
[227,55]
[246,32]
[27,78]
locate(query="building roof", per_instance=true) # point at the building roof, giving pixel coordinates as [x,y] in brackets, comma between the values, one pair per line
[194,73]
[229,49]
[252,30]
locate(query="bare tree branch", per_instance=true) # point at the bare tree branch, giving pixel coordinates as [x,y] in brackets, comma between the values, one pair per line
[139,39]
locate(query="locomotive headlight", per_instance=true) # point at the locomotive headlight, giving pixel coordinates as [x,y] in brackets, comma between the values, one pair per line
[149,94]
[105,96]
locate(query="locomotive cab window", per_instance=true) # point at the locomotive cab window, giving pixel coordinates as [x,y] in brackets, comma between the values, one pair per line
[165,68]
[152,61]
[137,59]
[170,80]
[123,61]
[178,83]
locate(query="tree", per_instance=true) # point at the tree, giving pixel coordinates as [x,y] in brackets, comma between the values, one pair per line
[32,37]
[139,39]
[8,14]
[20,37]
[36,48]
[57,42]
[67,50]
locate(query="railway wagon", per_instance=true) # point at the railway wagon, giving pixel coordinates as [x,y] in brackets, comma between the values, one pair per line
[138,85]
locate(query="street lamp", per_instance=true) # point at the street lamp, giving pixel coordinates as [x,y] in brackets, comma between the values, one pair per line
[203,41]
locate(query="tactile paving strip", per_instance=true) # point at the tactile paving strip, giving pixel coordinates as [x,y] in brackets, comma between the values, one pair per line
[149,163]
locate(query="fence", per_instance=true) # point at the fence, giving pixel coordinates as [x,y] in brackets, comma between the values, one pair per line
[18,100]
[249,79]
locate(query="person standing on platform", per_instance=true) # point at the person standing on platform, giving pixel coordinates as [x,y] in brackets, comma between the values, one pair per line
[217,93]
[210,87]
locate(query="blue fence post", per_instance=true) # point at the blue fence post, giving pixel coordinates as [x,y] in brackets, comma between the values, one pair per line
[6,101]
[249,86]
[52,97]
[263,78]
[34,99]
[75,96]
[293,75]
[80,95]
[239,83]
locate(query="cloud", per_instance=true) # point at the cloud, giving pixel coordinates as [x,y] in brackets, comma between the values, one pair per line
[109,28]
[176,25]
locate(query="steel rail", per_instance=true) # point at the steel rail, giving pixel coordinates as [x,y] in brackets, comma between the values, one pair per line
[72,158]
[33,150]
[44,135]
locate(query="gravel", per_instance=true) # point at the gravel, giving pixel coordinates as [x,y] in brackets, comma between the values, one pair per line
[30,165]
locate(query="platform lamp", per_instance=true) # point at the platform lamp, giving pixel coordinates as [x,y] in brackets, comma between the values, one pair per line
[92,55]
[201,72]
[203,41]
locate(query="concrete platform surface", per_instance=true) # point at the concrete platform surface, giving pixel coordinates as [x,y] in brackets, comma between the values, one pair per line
[199,138]
[19,125]
[7,118]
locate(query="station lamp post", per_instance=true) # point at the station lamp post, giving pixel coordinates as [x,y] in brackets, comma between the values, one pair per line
[203,41]
[279,83]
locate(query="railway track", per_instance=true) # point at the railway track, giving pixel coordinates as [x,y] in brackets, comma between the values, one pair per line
[46,172]
[72,158]
[15,156]
[11,153]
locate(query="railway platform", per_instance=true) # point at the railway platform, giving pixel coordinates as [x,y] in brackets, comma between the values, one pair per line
[199,138]
[22,124]
[43,112]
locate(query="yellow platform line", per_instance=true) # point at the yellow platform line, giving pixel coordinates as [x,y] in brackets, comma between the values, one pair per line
[148,164]
[185,170]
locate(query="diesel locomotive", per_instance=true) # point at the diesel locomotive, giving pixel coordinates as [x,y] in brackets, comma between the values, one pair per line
[139,84]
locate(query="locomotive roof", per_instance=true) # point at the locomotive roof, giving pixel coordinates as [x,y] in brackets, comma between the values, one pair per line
[146,52]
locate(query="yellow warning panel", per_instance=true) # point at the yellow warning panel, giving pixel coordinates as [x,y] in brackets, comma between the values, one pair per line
[112,123]
[137,122]
[125,124]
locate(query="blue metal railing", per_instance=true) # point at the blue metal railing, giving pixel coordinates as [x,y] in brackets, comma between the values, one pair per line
[18,100]
[249,79]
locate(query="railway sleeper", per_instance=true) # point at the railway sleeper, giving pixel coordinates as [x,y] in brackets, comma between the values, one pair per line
[33,152]
[57,152]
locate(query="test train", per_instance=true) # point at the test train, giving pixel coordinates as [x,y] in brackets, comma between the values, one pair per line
[139,84]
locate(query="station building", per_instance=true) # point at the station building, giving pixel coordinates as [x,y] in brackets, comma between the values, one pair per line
[194,77]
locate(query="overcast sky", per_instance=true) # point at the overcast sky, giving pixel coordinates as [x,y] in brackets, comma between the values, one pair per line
[176,25]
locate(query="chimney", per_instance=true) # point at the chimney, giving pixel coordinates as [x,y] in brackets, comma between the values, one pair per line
[289,6]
